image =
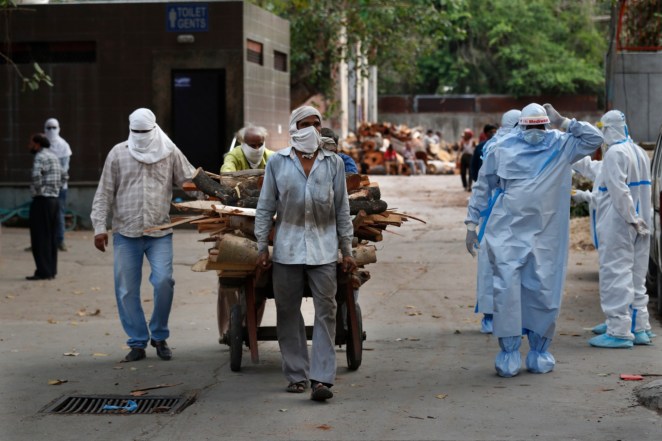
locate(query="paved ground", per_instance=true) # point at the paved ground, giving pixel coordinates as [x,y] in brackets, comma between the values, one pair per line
[427,372]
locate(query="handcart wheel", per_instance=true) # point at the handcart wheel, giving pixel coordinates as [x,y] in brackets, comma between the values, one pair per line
[236,338]
[354,348]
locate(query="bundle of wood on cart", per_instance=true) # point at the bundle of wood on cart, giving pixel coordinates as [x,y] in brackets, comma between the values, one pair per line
[228,218]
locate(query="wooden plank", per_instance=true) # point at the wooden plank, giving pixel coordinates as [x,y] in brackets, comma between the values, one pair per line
[209,220]
[237,211]
[174,224]
[195,205]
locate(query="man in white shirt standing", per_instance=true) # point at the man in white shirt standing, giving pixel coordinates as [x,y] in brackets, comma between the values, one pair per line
[136,187]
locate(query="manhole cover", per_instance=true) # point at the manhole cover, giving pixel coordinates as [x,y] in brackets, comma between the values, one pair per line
[118,404]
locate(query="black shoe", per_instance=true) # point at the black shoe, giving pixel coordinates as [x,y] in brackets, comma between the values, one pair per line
[162,349]
[36,277]
[320,392]
[135,355]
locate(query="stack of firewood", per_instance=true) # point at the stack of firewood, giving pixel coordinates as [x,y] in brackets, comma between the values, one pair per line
[228,219]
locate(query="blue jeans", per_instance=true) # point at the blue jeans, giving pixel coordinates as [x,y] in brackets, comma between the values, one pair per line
[59,232]
[128,259]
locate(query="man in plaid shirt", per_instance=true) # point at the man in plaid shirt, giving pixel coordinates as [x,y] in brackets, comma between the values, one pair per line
[47,179]
[136,186]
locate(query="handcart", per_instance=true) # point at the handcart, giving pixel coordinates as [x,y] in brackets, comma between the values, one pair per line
[243,328]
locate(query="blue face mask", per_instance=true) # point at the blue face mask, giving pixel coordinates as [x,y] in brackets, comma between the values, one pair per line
[534,136]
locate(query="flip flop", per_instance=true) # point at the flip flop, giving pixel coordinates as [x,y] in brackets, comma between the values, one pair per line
[298,387]
[320,393]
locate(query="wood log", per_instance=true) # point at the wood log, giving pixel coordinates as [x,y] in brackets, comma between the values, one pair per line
[359,219]
[369,233]
[365,254]
[353,181]
[210,187]
[242,223]
[366,194]
[370,207]
[236,250]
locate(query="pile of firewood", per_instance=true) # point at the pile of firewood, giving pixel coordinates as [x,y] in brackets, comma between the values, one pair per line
[370,142]
[228,219]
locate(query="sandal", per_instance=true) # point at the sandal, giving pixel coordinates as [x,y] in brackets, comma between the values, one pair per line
[297,388]
[320,392]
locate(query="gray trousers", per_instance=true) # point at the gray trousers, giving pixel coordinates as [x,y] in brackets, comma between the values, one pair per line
[289,281]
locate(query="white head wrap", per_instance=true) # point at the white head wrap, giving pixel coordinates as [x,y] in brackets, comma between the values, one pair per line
[59,146]
[613,127]
[152,146]
[301,113]
[306,140]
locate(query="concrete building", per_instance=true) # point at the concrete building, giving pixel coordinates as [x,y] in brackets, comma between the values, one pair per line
[204,68]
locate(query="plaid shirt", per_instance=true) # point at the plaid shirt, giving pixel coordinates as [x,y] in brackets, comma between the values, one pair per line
[47,176]
[138,194]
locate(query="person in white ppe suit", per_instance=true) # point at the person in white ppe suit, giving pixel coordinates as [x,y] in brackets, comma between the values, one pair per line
[623,214]
[484,291]
[589,169]
[526,229]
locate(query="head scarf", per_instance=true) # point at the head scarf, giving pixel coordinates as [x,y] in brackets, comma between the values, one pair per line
[301,113]
[149,147]
[59,146]
[306,140]
[613,127]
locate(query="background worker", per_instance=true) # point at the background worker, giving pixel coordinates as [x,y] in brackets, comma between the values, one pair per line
[489,131]
[60,148]
[330,143]
[466,146]
[305,187]
[47,179]
[136,188]
[526,230]
[251,153]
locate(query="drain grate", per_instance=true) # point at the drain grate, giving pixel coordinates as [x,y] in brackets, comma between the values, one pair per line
[94,404]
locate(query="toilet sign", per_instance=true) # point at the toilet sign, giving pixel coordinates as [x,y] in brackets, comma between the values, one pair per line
[187,17]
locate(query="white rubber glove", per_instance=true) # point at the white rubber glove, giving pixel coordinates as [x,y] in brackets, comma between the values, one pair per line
[642,228]
[555,118]
[472,239]
[580,196]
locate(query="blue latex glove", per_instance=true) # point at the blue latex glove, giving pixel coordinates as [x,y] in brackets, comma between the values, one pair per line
[472,242]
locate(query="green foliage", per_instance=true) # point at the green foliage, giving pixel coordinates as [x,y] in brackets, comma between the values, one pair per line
[38,77]
[391,34]
[518,47]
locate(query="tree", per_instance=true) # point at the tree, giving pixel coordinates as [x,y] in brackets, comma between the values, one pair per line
[33,81]
[519,47]
[390,34]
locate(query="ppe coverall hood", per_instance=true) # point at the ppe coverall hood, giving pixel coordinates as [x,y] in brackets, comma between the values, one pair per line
[613,127]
